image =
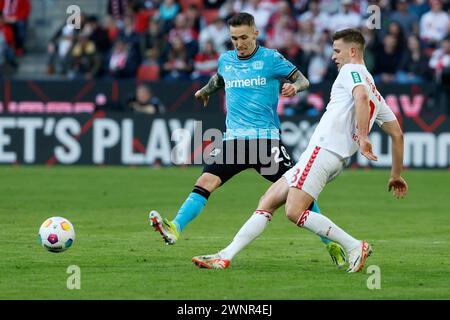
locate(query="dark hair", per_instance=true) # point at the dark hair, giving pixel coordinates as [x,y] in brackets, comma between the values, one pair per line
[92,19]
[240,19]
[350,36]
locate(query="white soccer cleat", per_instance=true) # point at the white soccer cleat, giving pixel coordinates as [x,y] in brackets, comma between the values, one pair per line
[213,261]
[357,257]
[166,228]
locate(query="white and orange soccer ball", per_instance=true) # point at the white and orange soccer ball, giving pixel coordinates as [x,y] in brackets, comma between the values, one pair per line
[56,234]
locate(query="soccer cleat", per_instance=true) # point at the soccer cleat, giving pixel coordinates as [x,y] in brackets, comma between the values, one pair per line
[166,228]
[337,254]
[357,257]
[213,261]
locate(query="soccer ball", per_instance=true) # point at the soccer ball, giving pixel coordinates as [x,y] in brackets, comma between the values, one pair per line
[56,234]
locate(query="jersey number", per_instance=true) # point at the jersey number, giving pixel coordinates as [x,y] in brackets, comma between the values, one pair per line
[277,157]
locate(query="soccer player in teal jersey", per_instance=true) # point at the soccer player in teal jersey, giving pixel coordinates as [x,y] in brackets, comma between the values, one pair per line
[250,75]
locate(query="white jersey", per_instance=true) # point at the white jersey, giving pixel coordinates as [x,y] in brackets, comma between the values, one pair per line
[336,130]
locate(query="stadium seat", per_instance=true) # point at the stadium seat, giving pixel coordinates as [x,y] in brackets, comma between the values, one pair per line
[148,72]
[186,3]
[210,15]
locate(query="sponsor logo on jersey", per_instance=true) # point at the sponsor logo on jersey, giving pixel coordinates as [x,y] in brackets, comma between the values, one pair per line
[258,65]
[356,77]
[228,67]
[252,82]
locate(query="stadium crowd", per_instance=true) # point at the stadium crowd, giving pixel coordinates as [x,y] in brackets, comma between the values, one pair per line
[175,40]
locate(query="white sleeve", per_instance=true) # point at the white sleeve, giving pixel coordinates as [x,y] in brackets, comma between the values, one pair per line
[385,115]
[350,77]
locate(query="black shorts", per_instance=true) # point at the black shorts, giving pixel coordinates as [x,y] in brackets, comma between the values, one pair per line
[267,156]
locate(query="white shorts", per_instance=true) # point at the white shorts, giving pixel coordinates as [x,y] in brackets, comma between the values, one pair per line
[315,168]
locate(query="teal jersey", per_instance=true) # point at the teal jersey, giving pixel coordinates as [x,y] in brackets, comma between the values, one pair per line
[252,87]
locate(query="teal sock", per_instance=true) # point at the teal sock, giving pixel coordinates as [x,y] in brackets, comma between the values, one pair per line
[190,209]
[315,208]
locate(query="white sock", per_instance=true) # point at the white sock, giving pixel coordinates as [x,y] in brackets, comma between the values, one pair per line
[321,225]
[248,232]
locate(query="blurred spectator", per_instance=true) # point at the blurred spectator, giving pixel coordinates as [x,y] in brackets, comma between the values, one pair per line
[151,4]
[218,33]
[227,9]
[440,62]
[307,39]
[145,102]
[154,41]
[414,64]
[7,63]
[419,7]
[213,4]
[282,12]
[118,9]
[110,25]
[58,59]
[133,39]
[167,13]
[141,17]
[16,14]
[434,24]
[59,51]
[85,61]
[320,59]
[299,7]
[178,64]
[371,47]
[186,33]
[7,31]
[345,18]
[395,30]
[320,19]
[122,62]
[128,33]
[97,34]
[205,62]
[3,48]
[294,52]
[260,12]
[280,33]
[330,6]
[387,60]
[7,59]
[408,20]
[194,18]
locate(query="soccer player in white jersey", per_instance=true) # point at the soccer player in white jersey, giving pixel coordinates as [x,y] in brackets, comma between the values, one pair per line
[355,105]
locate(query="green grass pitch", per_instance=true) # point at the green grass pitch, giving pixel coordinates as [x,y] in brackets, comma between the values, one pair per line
[120,257]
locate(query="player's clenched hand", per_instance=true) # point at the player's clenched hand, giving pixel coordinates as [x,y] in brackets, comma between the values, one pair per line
[288,90]
[200,95]
[366,149]
[400,186]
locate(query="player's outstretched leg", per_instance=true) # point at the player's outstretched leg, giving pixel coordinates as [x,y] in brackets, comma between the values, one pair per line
[191,208]
[274,197]
[251,229]
[297,202]
[335,250]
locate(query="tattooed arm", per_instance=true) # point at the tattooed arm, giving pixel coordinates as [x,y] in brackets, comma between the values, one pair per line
[298,83]
[214,84]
